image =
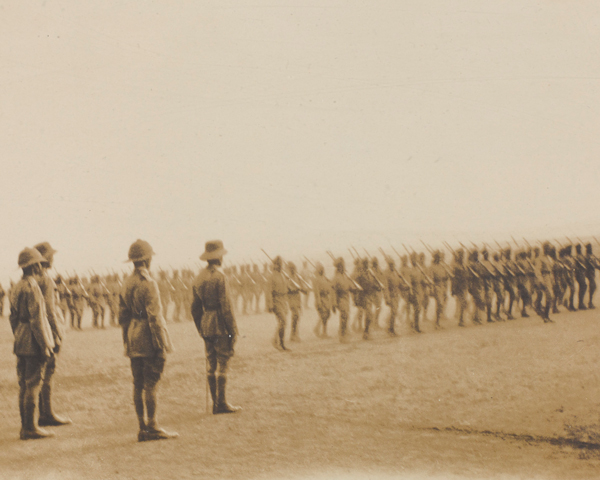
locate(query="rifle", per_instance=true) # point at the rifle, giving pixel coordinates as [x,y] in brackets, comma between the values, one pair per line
[513,239]
[575,257]
[356,285]
[372,273]
[284,273]
[352,254]
[444,266]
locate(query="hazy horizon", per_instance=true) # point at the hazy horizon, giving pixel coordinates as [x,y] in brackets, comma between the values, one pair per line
[294,127]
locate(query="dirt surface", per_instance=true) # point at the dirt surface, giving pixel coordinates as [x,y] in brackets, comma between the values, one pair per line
[517,399]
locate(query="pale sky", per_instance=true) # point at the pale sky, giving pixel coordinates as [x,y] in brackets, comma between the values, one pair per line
[294,126]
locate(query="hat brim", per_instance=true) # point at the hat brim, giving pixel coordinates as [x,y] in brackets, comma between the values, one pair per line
[132,260]
[213,255]
[32,262]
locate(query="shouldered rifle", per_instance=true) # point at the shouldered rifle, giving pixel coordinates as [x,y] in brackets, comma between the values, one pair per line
[371,272]
[356,285]
[284,273]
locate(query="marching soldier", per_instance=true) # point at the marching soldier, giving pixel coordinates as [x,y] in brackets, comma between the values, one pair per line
[580,276]
[391,293]
[591,264]
[64,297]
[57,325]
[295,287]
[417,293]
[510,278]
[499,281]
[476,285]
[459,285]
[78,295]
[34,342]
[278,292]
[440,276]
[524,274]
[96,300]
[569,276]
[366,297]
[146,339]
[342,286]
[322,291]
[546,282]
[214,318]
[379,294]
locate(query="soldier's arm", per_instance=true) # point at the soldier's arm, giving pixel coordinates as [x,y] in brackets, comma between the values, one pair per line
[125,315]
[197,310]
[38,320]
[50,299]
[14,311]
[156,321]
[226,310]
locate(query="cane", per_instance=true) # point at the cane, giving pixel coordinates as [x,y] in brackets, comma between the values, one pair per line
[206,383]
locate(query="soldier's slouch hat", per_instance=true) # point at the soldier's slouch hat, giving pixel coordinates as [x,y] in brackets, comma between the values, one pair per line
[212,250]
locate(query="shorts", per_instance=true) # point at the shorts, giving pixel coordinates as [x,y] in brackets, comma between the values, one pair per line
[147,371]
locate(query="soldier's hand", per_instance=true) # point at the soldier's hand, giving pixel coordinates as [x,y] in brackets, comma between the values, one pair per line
[49,353]
[56,348]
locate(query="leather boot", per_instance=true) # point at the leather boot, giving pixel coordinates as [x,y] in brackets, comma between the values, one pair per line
[222,405]
[30,430]
[212,385]
[47,417]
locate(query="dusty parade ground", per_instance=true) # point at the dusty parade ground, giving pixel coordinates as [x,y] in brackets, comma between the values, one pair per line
[518,399]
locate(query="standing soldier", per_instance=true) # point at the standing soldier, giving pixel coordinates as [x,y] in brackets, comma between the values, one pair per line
[322,291]
[267,288]
[278,292]
[114,288]
[294,288]
[34,343]
[178,295]
[439,275]
[459,285]
[214,318]
[146,339]
[57,325]
[64,297]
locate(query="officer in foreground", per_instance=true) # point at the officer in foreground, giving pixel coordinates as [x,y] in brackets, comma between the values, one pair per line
[34,343]
[146,339]
[57,325]
[213,315]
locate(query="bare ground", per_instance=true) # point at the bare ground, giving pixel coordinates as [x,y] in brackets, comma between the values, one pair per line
[518,399]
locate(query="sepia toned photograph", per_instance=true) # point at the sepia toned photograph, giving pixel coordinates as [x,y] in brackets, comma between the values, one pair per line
[310,239]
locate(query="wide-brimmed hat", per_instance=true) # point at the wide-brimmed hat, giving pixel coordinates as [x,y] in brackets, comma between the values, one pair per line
[140,250]
[29,256]
[213,250]
[45,249]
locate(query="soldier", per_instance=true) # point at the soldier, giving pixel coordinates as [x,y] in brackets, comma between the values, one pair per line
[569,276]
[546,282]
[64,297]
[214,318]
[393,284]
[79,295]
[306,274]
[96,301]
[459,285]
[295,287]
[166,291]
[476,285]
[114,288]
[267,288]
[440,276]
[488,274]
[146,339]
[322,291]
[591,264]
[178,295]
[2,295]
[498,282]
[57,325]
[370,286]
[524,274]
[379,294]
[258,286]
[510,279]
[342,286]
[34,343]
[278,291]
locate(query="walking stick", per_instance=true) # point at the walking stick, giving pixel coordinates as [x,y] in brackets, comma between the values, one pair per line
[206,383]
